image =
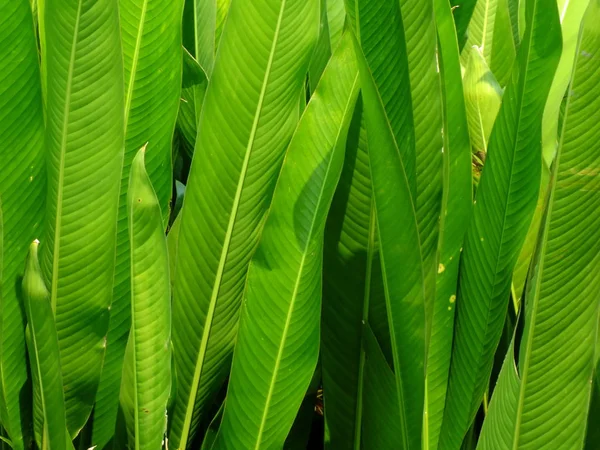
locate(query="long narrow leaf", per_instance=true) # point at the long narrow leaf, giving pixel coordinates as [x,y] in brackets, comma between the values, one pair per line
[145,389]
[250,112]
[151,39]
[278,342]
[504,207]
[22,185]
[85,155]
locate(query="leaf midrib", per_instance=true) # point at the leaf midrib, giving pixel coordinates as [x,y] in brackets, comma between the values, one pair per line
[61,172]
[313,228]
[134,63]
[228,236]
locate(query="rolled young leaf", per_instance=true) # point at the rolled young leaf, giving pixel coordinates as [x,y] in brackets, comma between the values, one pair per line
[152,52]
[278,342]
[250,112]
[84,140]
[44,355]
[147,369]
[22,194]
[504,206]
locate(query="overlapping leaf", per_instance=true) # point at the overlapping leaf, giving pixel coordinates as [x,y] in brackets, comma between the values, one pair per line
[22,192]
[278,342]
[246,123]
[504,207]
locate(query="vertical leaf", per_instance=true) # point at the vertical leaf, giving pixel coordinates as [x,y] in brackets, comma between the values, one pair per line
[151,40]
[504,207]
[44,355]
[250,112]
[278,343]
[147,383]
[85,155]
[22,184]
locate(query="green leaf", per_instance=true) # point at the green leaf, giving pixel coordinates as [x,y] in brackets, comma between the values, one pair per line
[490,30]
[199,31]
[483,97]
[350,251]
[249,114]
[336,18]
[455,215]
[571,15]
[146,387]
[44,355]
[278,342]
[322,51]
[22,194]
[505,203]
[151,40]
[389,119]
[462,10]
[557,356]
[85,154]
[381,418]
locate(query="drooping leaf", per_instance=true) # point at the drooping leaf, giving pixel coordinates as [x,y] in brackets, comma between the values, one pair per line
[250,112]
[504,207]
[389,121]
[22,191]
[278,342]
[84,139]
[454,218]
[147,369]
[336,18]
[151,40]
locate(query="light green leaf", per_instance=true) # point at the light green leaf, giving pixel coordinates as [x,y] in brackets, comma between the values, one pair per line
[322,51]
[557,356]
[278,342]
[151,40]
[22,194]
[505,203]
[145,389]
[44,355]
[389,120]
[250,112]
[84,140]
[454,218]
[199,31]
[571,15]
[336,18]
[483,97]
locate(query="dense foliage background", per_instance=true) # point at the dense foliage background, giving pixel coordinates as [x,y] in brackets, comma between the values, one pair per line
[267,224]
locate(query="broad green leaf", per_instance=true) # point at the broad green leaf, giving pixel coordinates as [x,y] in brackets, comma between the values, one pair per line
[199,31]
[350,252]
[490,31]
[249,114]
[299,435]
[22,193]
[462,10]
[571,15]
[483,97]
[505,203]
[84,139]
[557,356]
[336,18]
[44,355]
[151,40]
[278,342]
[145,389]
[454,218]
[390,133]
[222,12]
[381,420]
[322,51]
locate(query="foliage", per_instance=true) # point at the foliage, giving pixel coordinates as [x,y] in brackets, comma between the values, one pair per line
[292,224]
